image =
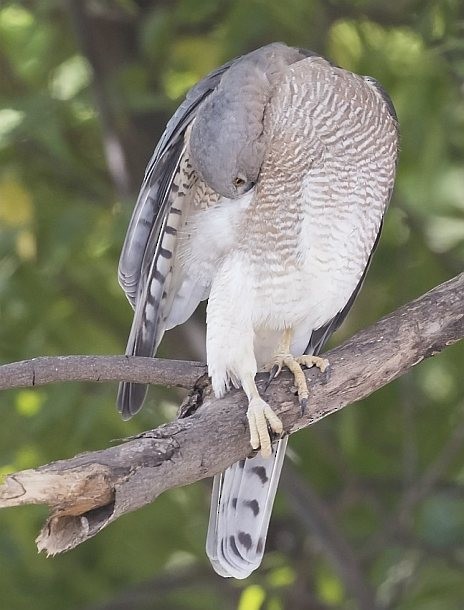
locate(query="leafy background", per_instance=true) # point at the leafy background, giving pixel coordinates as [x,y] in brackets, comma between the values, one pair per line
[371,508]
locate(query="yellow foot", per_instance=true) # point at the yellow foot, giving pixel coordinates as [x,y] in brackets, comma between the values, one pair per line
[294,365]
[309,361]
[260,416]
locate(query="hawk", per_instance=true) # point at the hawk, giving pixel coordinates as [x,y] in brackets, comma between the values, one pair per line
[265,195]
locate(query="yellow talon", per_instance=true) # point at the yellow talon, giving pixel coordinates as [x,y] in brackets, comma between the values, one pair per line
[309,361]
[283,357]
[260,416]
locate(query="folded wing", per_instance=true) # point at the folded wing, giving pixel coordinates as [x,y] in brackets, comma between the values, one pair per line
[146,264]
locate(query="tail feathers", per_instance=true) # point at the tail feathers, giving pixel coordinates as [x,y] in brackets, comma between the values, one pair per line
[241,506]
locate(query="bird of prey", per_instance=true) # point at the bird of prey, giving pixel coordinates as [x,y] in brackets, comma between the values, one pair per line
[265,195]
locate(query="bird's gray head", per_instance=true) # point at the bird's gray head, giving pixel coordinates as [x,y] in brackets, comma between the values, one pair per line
[226,142]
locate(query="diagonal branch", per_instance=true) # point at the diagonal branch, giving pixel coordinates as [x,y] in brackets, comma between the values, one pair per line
[91,490]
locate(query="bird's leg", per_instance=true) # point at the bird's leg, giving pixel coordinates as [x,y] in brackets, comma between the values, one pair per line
[260,418]
[283,357]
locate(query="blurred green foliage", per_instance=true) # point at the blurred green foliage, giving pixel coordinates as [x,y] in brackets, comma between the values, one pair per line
[79,77]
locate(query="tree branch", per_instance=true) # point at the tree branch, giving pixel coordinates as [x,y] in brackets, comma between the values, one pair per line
[52,369]
[91,490]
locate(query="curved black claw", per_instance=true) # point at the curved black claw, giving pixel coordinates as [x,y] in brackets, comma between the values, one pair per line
[272,375]
[326,375]
[303,406]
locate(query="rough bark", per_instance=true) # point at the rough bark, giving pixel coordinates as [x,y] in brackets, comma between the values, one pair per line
[91,490]
[50,369]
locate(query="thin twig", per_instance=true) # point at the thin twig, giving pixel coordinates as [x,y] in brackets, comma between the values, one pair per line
[398,523]
[53,369]
[116,157]
[153,592]
[316,517]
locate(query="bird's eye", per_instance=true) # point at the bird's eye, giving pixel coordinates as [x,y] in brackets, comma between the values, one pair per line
[239,181]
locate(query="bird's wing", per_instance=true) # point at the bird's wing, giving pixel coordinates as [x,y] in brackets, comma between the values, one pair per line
[352,141]
[156,190]
[321,335]
[147,262]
